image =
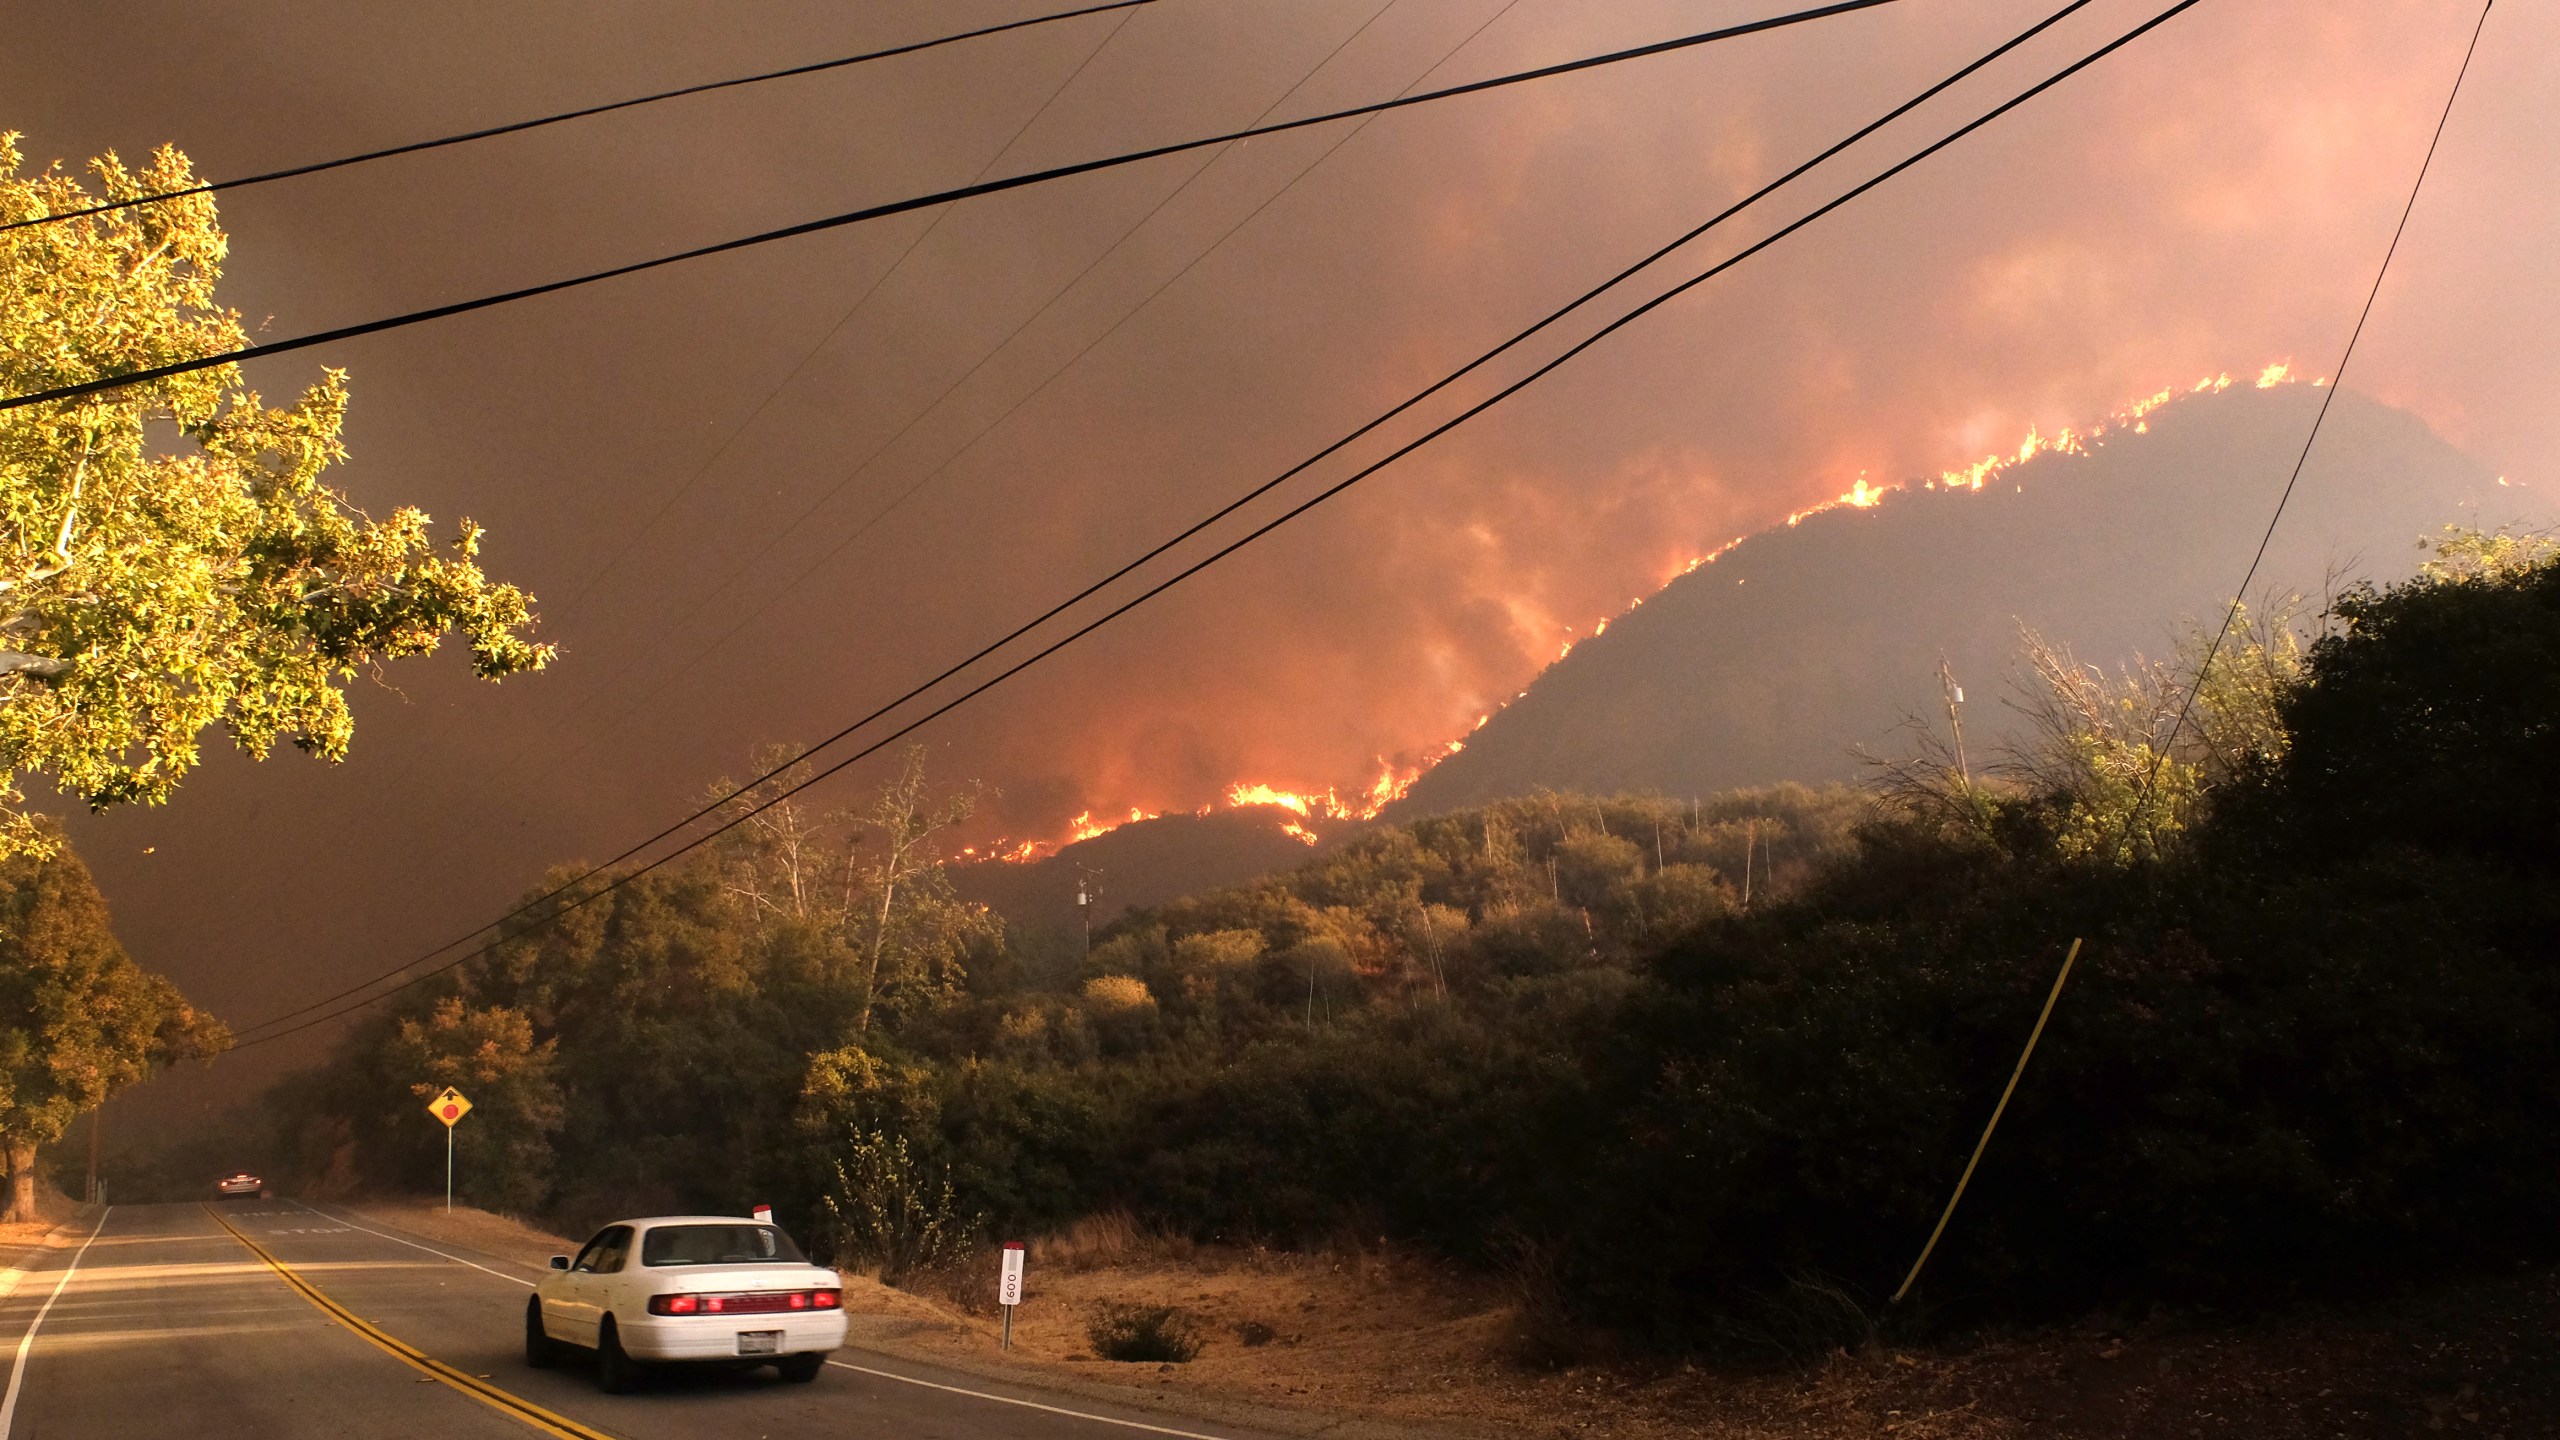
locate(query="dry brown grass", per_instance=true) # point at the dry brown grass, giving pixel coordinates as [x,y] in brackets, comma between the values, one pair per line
[1109,1239]
[1368,1332]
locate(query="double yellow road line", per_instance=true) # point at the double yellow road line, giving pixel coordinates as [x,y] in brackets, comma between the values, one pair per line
[509,1404]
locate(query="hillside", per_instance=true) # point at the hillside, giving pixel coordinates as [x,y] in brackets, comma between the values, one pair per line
[1141,864]
[1802,642]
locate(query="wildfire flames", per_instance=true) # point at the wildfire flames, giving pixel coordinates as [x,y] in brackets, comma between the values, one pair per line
[1328,804]
[1393,780]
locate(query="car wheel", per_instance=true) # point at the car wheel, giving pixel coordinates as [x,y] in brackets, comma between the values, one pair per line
[616,1373]
[801,1369]
[540,1350]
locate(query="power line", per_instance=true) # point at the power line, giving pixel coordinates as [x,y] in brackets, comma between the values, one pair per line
[597,691]
[918,202]
[2329,394]
[775,393]
[1285,517]
[212,187]
[669,674]
[854,309]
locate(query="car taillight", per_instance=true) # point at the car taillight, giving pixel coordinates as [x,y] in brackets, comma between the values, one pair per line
[751,1303]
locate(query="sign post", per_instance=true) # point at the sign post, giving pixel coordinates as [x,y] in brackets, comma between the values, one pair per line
[449,1106]
[1009,1288]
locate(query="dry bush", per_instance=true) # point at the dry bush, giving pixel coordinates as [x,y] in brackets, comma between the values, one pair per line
[1807,1318]
[1545,1333]
[1106,1239]
[1161,1334]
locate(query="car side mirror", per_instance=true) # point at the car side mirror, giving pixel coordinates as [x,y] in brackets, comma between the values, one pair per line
[559,1262]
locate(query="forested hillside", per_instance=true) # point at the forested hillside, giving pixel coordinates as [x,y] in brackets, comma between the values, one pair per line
[1677,1065]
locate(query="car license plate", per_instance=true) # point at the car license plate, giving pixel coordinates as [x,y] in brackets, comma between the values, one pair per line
[759,1342]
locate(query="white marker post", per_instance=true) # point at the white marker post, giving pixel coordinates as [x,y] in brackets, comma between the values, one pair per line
[1009,1288]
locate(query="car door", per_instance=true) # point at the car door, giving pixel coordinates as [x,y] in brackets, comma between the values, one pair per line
[611,1277]
[574,1303]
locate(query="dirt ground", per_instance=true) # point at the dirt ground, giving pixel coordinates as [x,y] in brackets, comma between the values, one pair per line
[1394,1340]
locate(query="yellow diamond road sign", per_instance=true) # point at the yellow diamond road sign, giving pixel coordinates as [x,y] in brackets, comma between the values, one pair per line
[449,1106]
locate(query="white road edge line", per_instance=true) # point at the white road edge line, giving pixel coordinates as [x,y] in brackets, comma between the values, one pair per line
[839,1364]
[27,1342]
[1025,1404]
[396,1240]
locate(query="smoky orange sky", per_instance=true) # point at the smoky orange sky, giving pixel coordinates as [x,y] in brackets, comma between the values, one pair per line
[877,448]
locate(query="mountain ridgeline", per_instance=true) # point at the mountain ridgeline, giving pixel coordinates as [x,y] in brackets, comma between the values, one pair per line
[1804,643]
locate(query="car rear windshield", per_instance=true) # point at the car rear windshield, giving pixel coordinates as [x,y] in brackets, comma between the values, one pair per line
[738,1244]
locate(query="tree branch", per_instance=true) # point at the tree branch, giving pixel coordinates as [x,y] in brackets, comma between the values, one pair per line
[43,667]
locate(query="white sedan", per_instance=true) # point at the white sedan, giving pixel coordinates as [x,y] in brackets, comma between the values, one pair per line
[687,1287]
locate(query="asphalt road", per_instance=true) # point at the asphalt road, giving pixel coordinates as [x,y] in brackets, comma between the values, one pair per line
[170,1326]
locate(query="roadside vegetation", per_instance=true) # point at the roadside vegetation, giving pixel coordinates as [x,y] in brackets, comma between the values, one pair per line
[1689,1074]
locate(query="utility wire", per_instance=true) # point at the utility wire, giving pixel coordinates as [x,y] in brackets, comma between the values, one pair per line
[2328,395]
[669,675]
[834,330]
[243,182]
[919,202]
[1718,268]
[2150,779]
[739,432]
[597,691]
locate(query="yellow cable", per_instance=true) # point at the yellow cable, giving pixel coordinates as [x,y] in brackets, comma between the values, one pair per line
[1985,1142]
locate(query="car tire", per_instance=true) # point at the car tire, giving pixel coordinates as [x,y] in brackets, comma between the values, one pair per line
[540,1350]
[803,1368]
[616,1372]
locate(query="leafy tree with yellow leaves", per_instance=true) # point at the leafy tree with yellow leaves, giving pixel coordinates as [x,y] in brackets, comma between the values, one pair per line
[170,556]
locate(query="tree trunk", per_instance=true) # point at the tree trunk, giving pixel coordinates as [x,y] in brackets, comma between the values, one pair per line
[891,872]
[22,1180]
